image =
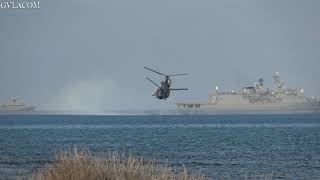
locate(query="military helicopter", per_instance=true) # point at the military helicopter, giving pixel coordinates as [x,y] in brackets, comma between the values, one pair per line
[164,89]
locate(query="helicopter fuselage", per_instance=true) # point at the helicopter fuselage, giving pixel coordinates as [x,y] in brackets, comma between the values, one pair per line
[163,91]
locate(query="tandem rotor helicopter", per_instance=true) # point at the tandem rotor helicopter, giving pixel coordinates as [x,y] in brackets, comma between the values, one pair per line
[164,89]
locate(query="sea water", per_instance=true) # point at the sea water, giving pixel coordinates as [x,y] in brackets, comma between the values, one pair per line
[219,146]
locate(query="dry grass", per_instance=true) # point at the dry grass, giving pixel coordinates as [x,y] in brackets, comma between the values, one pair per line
[82,165]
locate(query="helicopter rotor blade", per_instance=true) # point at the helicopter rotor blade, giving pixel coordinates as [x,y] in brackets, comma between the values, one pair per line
[183,74]
[154,71]
[179,89]
[152,82]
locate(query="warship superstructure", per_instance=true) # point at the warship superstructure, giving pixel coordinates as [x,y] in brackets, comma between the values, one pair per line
[257,98]
[14,105]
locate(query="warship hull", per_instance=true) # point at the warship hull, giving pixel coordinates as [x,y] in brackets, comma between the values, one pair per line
[16,109]
[256,98]
[254,108]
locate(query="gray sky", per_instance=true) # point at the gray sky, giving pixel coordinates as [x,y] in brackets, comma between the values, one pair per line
[89,55]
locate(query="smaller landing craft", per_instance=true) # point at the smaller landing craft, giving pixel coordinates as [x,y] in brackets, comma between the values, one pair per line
[164,89]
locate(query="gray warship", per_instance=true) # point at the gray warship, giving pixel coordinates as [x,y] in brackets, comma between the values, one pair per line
[15,105]
[256,98]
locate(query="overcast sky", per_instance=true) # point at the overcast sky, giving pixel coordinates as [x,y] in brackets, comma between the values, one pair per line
[89,55]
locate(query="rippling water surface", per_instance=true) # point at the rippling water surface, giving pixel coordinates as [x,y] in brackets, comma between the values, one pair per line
[229,146]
